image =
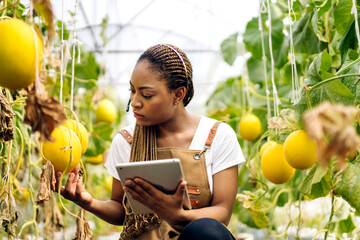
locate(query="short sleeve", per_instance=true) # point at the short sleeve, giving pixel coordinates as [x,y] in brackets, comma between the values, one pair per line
[119,152]
[226,149]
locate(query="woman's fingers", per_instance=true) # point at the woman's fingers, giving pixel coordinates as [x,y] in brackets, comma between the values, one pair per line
[79,188]
[138,189]
[144,185]
[70,187]
[57,177]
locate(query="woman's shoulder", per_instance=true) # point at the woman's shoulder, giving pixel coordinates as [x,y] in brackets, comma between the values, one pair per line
[119,138]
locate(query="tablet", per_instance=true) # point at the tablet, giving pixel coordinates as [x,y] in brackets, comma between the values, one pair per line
[164,174]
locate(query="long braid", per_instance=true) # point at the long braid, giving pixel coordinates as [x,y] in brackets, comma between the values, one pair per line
[143,148]
[174,67]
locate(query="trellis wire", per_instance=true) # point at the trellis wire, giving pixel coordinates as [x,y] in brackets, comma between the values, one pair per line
[75,43]
[275,94]
[262,8]
[295,85]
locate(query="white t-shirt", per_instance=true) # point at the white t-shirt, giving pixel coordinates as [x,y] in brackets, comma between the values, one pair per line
[224,152]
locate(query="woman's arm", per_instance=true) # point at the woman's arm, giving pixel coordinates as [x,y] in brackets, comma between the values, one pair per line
[111,211]
[170,207]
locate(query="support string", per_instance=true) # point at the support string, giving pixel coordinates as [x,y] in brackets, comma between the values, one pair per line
[275,93]
[74,44]
[295,85]
[262,9]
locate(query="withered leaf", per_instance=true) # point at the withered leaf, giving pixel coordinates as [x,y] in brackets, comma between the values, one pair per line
[45,10]
[8,214]
[331,126]
[46,183]
[6,115]
[53,219]
[43,113]
[83,231]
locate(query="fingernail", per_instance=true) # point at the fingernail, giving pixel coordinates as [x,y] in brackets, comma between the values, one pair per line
[71,175]
[58,174]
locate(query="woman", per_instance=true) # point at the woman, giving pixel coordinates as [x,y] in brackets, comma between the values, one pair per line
[161,87]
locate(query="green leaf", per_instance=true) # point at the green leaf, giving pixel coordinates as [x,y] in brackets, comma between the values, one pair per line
[224,94]
[103,130]
[87,69]
[252,36]
[326,61]
[244,216]
[342,16]
[316,183]
[342,212]
[281,53]
[256,70]
[357,94]
[342,221]
[334,91]
[99,139]
[320,62]
[322,188]
[260,218]
[349,81]
[345,226]
[305,38]
[348,187]
[65,32]
[230,48]
[324,6]
[346,41]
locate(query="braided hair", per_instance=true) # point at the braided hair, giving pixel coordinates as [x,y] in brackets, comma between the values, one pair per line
[173,66]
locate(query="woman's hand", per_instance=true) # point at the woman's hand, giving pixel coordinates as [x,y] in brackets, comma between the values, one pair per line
[167,207]
[74,189]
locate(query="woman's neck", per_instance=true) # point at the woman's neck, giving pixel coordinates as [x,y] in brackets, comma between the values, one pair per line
[177,132]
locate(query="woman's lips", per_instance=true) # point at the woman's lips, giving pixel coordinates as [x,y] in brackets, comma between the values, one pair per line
[138,116]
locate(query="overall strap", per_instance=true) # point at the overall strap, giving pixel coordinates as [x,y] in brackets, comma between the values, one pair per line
[212,133]
[126,135]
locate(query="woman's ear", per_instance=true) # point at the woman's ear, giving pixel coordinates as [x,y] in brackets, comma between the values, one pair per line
[179,95]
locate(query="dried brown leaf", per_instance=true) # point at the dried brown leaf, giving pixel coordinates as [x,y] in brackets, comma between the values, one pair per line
[43,113]
[46,183]
[8,214]
[53,219]
[6,115]
[331,126]
[83,231]
[45,10]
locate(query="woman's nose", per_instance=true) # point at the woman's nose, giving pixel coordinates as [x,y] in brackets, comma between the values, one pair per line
[135,103]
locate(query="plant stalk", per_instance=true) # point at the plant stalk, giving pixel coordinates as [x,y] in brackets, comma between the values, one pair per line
[331,215]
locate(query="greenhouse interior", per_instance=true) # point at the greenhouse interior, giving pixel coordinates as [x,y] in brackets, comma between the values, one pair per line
[260,97]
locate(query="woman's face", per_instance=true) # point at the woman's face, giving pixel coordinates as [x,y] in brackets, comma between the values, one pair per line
[151,100]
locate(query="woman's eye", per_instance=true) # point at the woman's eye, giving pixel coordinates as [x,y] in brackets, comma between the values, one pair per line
[131,90]
[145,96]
